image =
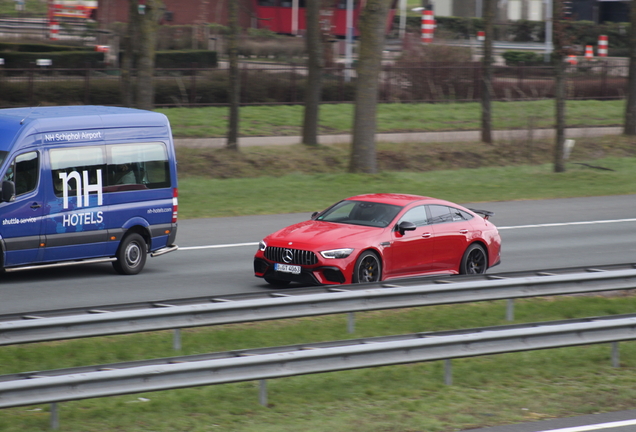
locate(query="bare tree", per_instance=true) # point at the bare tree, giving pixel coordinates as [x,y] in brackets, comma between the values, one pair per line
[561,50]
[149,23]
[130,53]
[315,66]
[235,83]
[372,34]
[139,54]
[630,109]
[486,93]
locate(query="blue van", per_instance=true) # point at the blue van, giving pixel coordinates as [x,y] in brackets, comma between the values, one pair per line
[86,184]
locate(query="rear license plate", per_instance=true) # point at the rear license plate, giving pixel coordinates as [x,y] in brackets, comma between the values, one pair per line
[286,268]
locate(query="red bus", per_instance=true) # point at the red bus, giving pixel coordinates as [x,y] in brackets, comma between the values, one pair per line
[280,16]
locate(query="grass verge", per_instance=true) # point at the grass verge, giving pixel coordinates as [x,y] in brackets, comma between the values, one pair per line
[338,118]
[299,178]
[489,390]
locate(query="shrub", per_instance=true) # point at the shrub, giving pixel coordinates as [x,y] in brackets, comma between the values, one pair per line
[527,58]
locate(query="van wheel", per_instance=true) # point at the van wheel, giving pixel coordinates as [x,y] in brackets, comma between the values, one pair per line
[131,255]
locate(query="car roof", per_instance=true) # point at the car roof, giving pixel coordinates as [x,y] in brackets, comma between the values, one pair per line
[393,198]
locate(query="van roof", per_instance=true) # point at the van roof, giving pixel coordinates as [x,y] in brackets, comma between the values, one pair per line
[21,122]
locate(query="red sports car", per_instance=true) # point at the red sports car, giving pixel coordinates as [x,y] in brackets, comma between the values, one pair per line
[369,238]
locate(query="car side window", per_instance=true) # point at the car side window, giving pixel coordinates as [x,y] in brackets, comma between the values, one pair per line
[440,214]
[460,215]
[24,171]
[417,215]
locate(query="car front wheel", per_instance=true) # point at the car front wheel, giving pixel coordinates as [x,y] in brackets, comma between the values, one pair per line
[474,261]
[368,268]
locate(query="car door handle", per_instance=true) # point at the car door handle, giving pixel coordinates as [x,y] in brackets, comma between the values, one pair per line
[35,206]
[463,231]
[426,235]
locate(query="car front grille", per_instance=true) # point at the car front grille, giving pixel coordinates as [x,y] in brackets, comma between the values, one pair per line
[298,257]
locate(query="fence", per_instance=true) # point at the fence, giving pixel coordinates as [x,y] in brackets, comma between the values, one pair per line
[263,84]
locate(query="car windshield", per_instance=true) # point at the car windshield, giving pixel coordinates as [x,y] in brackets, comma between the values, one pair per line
[360,213]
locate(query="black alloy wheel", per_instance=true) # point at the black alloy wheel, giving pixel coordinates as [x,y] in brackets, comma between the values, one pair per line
[475,260]
[368,268]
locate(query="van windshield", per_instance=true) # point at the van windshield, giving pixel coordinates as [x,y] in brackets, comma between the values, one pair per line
[3,156]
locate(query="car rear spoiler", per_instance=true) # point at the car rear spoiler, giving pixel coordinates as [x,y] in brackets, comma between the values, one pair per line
[484,213]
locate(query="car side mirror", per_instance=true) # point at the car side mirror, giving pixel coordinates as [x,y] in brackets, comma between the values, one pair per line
[314,214]
[405,226]
[8,191]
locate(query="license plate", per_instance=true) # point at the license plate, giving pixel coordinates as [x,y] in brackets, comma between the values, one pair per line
[286,268]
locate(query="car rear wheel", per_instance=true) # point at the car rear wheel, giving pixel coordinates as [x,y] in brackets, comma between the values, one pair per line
[277,282]
[131,255]
[474,261]
[368,268]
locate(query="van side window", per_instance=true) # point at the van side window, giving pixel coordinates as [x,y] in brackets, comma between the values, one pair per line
[24,171]
[118,167]
[70,165]
[145,165]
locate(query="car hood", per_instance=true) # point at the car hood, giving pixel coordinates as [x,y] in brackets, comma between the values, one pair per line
[312,234]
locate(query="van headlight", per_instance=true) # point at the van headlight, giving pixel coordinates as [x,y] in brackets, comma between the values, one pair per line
[337,253]
[262,245]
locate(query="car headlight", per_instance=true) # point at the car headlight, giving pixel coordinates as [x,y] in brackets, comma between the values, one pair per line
[262,245]
[337,253]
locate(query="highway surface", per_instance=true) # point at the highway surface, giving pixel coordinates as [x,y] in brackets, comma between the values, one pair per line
[216,254]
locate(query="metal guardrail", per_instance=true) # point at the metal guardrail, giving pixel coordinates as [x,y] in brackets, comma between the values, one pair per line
[385,296]
[111,380]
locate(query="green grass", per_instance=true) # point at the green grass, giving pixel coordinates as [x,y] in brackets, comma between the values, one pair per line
[205,197]
[490,390]
[338,118]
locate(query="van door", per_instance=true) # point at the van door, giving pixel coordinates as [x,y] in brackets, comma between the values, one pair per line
[22,218]
[74,224]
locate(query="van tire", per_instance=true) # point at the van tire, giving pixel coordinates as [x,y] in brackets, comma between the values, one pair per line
[131,255]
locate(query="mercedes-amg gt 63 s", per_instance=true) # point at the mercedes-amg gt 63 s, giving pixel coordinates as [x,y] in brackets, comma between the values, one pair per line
[370,238]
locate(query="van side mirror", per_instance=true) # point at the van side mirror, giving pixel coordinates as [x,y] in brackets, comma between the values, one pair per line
[8,191]
[405,226]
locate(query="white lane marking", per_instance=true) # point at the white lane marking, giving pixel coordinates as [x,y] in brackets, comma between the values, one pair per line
[594,427]
[218,246]
[222,246]
[567,224]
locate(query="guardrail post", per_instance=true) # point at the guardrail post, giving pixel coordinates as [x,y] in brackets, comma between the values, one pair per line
[615,355]
[262,392]
[55,421]
[510,310]
[351,322]
[448,372]
[176,340]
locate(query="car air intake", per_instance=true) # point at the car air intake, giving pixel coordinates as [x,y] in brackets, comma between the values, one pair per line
[290,256]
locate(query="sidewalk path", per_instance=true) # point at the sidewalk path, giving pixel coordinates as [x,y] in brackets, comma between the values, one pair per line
[473,136]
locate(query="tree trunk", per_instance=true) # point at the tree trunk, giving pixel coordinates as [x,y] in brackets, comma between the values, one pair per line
[559,82]
[630,109]
[130,53]
[486,94]
[235,83]
[315,66]
[147,45]
[372,36]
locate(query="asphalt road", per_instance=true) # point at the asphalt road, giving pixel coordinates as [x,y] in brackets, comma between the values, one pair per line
[216,254]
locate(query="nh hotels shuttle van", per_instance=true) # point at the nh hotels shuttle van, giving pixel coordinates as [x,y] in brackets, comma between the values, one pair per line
[86,184]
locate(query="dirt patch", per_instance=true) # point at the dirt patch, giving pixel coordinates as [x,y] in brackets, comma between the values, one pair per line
[416,157]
